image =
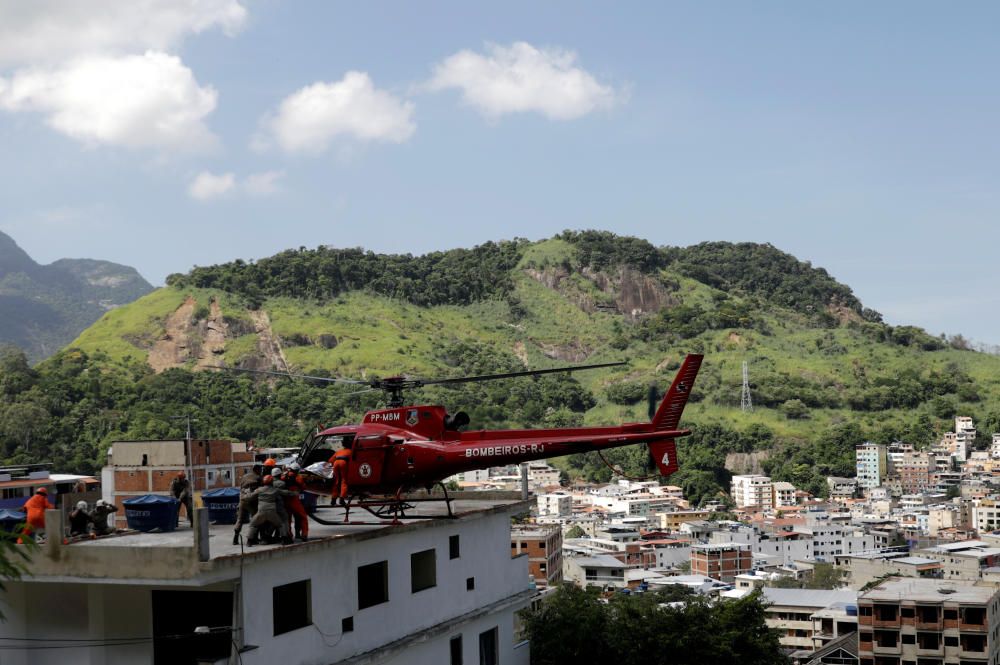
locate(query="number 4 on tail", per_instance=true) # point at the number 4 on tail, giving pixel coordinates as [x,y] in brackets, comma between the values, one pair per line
[666,459]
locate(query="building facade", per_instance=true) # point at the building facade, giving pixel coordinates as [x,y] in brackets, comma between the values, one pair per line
[721,562]
[924,621]
[870,461]
[543,546]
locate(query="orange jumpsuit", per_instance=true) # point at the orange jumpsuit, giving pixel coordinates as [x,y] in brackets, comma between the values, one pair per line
[293,504]
[340,460]
[35,507]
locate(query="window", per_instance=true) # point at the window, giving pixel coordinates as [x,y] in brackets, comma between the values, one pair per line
[227,475]
[347,625]
[291,606]
[488,643]
[373,584]
[909,638]
[950,641]
[454,551]
[950,615]
[456,650]
[470,583]
[211,476]
[423,570]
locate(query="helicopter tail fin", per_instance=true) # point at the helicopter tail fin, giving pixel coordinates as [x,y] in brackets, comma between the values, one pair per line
[668,416]
[664,453]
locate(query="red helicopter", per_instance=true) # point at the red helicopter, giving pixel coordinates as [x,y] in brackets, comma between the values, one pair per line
[401,448]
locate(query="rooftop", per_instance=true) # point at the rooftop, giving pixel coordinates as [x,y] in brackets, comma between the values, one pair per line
[817,598]
[929,590]
[175,557]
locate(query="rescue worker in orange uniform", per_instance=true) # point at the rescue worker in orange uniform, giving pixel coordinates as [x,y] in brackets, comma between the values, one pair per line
[293,504]
[35,507]
[340,460]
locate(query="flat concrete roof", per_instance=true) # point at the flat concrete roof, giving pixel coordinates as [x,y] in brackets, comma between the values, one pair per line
[171,558]
[928,590]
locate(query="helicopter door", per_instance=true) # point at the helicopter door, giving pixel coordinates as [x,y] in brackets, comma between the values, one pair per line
[323,448]
[368,461]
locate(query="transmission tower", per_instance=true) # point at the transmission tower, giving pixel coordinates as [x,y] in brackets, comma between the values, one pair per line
[746,403]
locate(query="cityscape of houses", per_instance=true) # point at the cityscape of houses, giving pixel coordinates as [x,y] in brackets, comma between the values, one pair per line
[915,531]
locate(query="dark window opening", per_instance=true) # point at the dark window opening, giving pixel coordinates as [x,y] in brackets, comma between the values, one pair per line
[906,612]
[291,606]
[454,547]
[145,459]
[470,584]
[423,570]
[488,644]
[909,638]
[950,641]
[373,584]
[950,615]
[179,613]
[347,624]
[456,650]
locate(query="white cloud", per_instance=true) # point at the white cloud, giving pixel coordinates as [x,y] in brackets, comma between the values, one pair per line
[49,31]
[207,185]
[149,100]
[262,184]
[521,78]
[309,119]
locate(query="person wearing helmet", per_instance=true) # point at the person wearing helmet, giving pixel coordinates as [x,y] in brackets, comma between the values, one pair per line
[35,508]
[293,504]
[80,520]
[180,489]
[269,462]
[248,505]
[340,460]
[102,511]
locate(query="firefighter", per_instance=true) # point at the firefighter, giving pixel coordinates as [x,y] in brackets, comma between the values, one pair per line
[101,512]
[340,460]
[35,507]
[80,520]
[180,489]
[268,500]
[294,504]
[248,505]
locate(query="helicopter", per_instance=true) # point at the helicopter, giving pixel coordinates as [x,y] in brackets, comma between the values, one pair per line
[401,448]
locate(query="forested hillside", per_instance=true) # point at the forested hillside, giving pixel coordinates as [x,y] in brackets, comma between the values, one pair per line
[826,372]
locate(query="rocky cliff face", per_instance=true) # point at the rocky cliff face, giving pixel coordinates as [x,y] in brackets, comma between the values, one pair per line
[44,307]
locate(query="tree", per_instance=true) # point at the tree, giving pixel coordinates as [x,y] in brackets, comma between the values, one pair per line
[575,532]
[795,409]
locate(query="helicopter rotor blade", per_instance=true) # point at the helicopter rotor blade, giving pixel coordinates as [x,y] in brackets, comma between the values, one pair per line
[510,375]
[326,379]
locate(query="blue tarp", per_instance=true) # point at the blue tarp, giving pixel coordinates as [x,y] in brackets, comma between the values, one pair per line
[10,519]
[151,512]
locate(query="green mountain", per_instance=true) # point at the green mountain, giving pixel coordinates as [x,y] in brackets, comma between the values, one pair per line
[42,308]
[826,372]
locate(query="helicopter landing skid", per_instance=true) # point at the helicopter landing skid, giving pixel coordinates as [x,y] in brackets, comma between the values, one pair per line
[390,509]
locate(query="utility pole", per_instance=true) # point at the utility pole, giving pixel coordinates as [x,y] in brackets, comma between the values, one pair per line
[188,468]
[746,403]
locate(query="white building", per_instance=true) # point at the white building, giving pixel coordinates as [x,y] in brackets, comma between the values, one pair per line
[555,505]
[752,491]
[870,461]
[429,591]
[784,494]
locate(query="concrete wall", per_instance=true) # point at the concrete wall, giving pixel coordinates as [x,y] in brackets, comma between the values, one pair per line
[485,555]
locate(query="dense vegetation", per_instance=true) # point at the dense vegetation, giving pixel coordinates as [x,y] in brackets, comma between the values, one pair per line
[455,277]
[668,628]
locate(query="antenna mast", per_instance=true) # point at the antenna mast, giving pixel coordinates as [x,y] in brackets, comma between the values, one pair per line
[746,403]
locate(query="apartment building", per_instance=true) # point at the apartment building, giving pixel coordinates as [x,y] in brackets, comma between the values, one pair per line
[797,615]
[906,620]
[543,546]
[870,461]
[752,490]
[722,561]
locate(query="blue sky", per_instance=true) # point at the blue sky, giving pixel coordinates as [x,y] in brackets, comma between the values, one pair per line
[859,136]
